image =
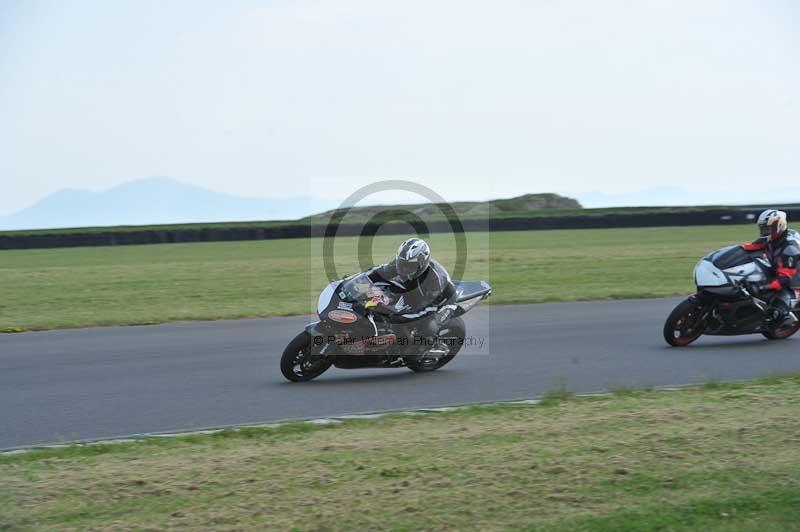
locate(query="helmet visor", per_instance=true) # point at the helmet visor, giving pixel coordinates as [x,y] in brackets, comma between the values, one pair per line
[764,229]
[407,269]
[775,231]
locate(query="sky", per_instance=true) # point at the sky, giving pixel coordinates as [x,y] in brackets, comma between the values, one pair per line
[473,99]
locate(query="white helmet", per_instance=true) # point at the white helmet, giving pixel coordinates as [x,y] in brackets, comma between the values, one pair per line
[772,224]
[413,258]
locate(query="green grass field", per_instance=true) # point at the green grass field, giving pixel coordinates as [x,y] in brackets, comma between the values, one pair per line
[77,287]
[719,457]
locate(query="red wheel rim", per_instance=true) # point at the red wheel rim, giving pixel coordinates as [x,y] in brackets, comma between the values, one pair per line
[785,332]
[683,334]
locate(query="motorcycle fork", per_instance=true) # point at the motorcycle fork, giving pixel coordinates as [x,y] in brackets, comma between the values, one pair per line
[710,308]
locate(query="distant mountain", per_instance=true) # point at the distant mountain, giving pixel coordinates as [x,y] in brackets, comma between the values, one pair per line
[154,201]
[520,205]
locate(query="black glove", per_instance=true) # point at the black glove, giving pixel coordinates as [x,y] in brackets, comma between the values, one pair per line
[758,289]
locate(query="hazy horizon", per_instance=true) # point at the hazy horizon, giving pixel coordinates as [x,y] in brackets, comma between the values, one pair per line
[163,200]
[477,101]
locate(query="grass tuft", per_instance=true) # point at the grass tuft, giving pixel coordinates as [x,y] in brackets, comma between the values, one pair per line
[773,378]
[628,391]
[556,397]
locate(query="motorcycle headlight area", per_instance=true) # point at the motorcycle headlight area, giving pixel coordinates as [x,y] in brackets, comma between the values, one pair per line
[706,274]
[325,297]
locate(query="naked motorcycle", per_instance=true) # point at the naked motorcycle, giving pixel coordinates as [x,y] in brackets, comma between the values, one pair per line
[364,324]
[724,304]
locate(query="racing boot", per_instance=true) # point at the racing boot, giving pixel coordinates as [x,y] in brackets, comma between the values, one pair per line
[779,317]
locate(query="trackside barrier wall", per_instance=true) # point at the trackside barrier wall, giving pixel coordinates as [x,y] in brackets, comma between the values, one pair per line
[212,234]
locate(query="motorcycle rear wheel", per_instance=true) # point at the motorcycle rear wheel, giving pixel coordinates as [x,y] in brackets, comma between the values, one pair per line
[297,364]
[454,328]
[782,333]
[682,326]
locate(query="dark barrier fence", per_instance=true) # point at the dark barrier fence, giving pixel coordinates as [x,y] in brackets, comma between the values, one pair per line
[211,234]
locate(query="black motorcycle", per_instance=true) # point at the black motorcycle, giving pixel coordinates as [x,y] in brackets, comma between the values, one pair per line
[363,324]
[724,304]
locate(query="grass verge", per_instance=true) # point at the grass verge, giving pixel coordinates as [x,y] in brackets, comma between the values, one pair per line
[709,457]
[127,285]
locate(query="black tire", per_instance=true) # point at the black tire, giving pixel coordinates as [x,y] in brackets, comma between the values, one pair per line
[296,365]
[782,333]
[682,326]
[454,328]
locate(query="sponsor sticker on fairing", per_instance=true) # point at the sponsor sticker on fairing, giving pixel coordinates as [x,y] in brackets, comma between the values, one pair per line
[345,306]
[342,316]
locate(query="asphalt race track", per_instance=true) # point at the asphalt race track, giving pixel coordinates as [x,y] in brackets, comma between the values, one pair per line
[102,383]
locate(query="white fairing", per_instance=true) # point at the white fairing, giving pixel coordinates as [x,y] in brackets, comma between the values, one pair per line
[325,297]
[749,271]
[745,270]
[706,274]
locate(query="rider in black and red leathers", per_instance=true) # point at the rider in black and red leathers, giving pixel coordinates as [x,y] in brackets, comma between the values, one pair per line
[784,256]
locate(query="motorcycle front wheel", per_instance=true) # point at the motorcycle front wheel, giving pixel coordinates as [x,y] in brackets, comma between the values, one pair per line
[685,323]
[297,362]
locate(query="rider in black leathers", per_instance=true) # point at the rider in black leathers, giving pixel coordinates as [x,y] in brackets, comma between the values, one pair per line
[423,287]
